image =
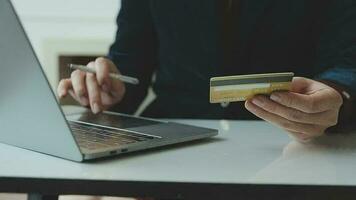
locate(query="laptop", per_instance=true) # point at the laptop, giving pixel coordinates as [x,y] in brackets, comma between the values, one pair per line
[31,118]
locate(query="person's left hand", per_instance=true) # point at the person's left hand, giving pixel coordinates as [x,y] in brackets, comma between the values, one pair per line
[306,111]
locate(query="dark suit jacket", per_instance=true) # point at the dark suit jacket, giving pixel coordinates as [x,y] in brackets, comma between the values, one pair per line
[180,43]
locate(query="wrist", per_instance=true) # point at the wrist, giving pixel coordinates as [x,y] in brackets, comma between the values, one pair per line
[347,110]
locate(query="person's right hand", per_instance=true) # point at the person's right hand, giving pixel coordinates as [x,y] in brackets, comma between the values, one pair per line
[98,90]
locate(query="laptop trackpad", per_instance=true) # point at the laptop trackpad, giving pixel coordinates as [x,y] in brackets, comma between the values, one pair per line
[173,130]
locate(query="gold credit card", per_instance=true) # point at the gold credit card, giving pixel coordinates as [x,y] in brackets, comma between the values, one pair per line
[243,87]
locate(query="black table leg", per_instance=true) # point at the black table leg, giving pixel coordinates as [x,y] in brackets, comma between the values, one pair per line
[42,197]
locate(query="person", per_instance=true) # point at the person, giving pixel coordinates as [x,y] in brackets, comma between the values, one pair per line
[176,46]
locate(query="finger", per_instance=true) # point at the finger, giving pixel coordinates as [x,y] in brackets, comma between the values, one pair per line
[115,88]
[293,100]
[93,90]
[300,85]
[324,118]
[308,129]
[102,68]
[63,87]
[74,96]
[309,96]
[79,87]
[118,89]
[306,103]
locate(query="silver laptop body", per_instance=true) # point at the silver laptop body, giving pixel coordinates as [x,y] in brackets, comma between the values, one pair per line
[31,118]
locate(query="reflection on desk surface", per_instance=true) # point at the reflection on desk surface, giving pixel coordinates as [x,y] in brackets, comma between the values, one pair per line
[328,159]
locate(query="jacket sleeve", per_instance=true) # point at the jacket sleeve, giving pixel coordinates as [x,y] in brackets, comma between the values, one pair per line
[134,51]
[337,56]
[337,45]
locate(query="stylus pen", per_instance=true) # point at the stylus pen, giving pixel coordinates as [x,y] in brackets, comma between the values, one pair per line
[126,79]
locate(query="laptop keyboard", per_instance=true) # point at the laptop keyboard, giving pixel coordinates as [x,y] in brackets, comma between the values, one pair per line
[93,138]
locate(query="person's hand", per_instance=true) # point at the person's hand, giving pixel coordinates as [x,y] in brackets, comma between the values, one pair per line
[305,112]
[98,90]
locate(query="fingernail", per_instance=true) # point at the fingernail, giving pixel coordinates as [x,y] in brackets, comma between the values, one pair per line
[258,101]
[275,97]
[96,108]
[249,106]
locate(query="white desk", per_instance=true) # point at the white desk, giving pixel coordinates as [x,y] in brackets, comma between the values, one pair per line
[246,156]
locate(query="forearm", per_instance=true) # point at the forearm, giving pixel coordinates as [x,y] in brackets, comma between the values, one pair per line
[134,51]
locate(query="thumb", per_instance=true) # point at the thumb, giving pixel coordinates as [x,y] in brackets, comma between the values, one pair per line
[300,85]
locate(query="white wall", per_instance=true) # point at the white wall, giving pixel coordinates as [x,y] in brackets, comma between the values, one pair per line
[70,27]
